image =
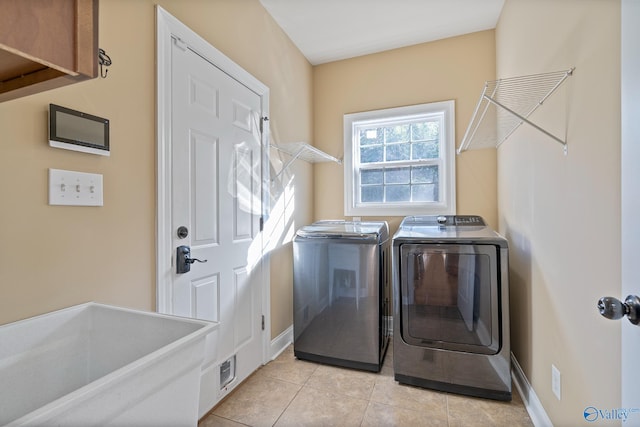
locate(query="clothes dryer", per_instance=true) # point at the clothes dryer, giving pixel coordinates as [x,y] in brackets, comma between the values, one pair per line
[451,306]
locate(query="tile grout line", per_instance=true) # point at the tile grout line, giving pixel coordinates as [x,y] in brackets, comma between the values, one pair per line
[287,407]
[303,385]
[364,415]
[370,400]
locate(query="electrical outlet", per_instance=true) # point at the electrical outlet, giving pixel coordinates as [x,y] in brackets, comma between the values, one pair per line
[555,381]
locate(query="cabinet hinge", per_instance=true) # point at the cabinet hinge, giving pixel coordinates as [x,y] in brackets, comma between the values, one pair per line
[261,223]
[262,120]
[263,322]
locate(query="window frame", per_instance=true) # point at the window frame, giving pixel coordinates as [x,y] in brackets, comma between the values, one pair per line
[446,162]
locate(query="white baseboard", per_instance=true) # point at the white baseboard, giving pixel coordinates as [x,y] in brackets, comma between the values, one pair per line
[531,402]
[282,341]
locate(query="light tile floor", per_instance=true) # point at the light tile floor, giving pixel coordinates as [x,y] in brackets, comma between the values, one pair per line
[291,392]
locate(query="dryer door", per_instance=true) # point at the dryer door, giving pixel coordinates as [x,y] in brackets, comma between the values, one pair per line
[449,296]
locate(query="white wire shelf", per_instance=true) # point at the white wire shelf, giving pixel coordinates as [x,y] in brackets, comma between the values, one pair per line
[507,103]
[303,151]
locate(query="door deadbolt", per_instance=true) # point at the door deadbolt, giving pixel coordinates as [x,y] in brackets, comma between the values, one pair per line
[184,260]
[182,232]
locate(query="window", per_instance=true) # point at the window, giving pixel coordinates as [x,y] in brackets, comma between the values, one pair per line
[400,161]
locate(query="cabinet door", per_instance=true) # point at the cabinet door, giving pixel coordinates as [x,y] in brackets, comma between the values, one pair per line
[44,45]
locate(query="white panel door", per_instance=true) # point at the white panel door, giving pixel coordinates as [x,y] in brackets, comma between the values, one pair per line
[630,113]
[216,199]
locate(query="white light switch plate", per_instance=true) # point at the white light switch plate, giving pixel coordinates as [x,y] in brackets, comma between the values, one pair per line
[75,188]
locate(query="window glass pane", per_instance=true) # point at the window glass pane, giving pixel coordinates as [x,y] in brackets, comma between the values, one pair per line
[425,150]
[398,152]
[398,193]
[425,131]
[371,154]
[369,136]
[396,175]
[373,176]
[424,174]
[398,133]
[371,193]
[424,193]
[400,159]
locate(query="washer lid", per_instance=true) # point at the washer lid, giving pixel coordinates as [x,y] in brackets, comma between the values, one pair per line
[336,229]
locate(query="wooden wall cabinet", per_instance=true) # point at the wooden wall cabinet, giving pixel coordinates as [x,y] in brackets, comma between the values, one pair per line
[45,44]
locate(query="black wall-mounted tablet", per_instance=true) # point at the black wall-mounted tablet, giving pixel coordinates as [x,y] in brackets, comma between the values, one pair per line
[74,130]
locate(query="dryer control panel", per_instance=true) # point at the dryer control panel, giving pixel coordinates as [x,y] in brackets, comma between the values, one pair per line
[473,220]
[457,220]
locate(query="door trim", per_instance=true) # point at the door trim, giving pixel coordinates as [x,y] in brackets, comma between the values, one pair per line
[168,28]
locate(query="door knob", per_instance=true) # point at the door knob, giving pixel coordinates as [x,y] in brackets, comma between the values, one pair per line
[613,308]
[184,260]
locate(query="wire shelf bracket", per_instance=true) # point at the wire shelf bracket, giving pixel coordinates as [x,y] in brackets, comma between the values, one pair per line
[507,103]
[302,151]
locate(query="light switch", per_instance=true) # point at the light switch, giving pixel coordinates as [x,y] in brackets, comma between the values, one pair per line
[75,188]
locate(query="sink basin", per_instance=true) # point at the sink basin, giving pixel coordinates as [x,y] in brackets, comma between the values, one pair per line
[100,365]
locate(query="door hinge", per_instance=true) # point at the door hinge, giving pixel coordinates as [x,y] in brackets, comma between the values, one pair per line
[261,223]
[263,322]
[262,120]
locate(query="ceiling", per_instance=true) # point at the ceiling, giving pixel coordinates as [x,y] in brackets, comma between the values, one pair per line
[330,30]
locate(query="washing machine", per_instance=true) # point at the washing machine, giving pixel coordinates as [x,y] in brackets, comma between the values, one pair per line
[451,306]
[341,293]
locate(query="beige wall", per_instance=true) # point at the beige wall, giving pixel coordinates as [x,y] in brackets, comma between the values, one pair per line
[454,68]
[560,213]
[51,256]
